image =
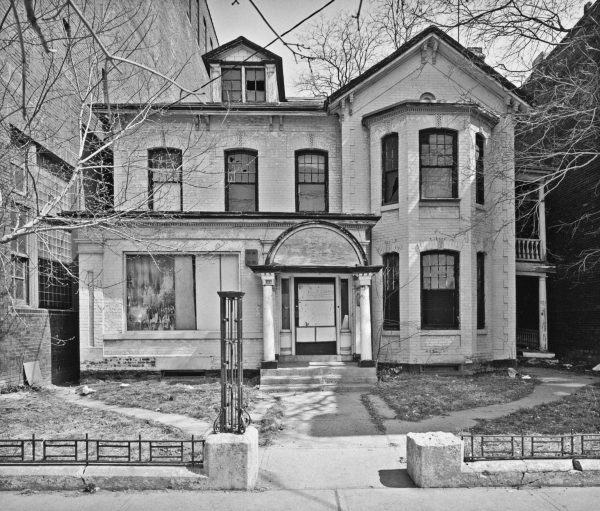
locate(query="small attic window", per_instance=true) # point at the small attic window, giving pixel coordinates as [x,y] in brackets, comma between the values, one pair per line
[253,79]
[427,97]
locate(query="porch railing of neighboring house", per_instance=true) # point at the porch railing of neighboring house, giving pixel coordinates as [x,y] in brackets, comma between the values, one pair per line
[528,338]
[86,451]
[520,447]
[529,249]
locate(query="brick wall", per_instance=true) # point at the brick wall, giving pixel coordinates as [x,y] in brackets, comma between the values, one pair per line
[25,337]
[573,292]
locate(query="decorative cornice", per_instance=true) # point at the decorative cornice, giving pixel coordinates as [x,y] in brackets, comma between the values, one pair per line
[417,107]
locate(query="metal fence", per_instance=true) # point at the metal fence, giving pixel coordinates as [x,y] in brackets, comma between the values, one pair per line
[84,451]
[520,447]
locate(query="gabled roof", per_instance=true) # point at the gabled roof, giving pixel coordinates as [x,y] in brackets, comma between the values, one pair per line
[432,30]
[213,56]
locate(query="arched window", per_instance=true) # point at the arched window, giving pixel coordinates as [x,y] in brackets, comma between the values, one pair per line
[391,291]
[241,180]
[479,167]
[438,157]
[389,168]
[312,181]
[439,290]
[165,183]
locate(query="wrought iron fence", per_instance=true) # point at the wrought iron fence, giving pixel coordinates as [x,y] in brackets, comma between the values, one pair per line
[520,447]
[84,451]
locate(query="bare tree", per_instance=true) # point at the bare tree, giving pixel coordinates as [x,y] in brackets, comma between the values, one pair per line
[65,67]
[337,51]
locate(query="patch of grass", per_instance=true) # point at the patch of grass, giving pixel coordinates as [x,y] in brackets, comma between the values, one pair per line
[201,401]
[372,411]
[418,397]
[578,412]
[271,423]
[47,415]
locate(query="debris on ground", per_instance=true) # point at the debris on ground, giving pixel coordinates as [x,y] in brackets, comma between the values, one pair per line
[125,385]
[512,372]
[86,391]
[596,368]
[525,377]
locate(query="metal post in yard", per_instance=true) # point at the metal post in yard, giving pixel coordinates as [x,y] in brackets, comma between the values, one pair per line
[232,418]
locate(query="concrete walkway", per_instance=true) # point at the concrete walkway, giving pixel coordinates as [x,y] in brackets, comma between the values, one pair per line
[334,440]
[188,425]
[331,440]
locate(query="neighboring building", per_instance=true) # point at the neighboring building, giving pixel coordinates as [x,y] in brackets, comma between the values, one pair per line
[378,223]
[568,78]
[38,312]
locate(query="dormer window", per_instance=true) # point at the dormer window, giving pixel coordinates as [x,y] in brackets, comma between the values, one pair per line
[252,92]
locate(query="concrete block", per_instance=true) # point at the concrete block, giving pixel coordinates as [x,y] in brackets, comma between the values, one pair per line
[434,460]
[231,461]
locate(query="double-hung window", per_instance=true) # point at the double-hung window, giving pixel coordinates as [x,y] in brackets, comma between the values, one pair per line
[479,168]
[311,181]
[480,290]
[389,164]
[243,84]
[391,292]
[438,164]
[19,262]
[439,290]
[241,180]
[165,179]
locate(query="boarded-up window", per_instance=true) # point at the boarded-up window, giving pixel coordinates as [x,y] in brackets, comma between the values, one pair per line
[311,181]
[160,292]
[439,290]
[437,150]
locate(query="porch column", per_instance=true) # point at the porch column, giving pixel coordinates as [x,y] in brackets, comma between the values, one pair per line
[542,312]
[268,281]
[542,223]
[366,348]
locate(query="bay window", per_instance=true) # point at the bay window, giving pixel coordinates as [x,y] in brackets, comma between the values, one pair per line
[439,290]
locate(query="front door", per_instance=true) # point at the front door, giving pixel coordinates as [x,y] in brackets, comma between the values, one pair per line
[315,317]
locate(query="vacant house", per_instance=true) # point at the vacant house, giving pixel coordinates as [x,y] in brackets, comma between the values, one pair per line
[377,223]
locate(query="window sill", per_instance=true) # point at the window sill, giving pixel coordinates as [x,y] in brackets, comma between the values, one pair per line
[389,207]
[482,331]
[163,334]
[480,207]
[391,332]
[440,331]
[432,203]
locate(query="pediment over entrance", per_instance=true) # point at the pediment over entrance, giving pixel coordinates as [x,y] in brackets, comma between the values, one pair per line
[316,244]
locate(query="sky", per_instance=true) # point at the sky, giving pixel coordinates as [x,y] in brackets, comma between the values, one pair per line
[233,18]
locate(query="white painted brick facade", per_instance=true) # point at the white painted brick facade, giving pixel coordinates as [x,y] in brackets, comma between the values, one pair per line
[353,145]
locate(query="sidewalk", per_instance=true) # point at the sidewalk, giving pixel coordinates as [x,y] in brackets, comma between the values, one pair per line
[477,499]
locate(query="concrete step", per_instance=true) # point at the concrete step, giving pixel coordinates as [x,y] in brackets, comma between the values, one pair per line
[315,358]
[317,387]
[317,377]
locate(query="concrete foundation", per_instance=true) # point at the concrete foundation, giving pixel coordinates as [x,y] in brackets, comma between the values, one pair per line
[435,460]
[231,461]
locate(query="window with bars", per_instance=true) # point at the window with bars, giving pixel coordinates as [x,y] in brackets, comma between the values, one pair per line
[438,164]
[241,180]
[480,290]
[311,181]
[439,290]
[165,180]
[479,168]
[389,167]
[391,291]
[55,285]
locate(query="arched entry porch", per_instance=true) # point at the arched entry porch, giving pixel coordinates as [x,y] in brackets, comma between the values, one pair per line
[316,294]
